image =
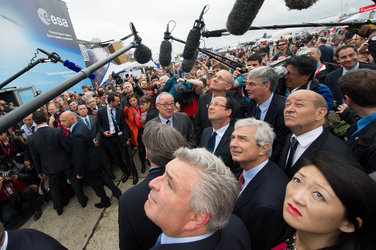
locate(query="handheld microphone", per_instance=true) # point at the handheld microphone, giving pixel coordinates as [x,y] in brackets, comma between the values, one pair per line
[299,4]
[242,15]
[187,65]
[142,53]
[193,39]
[165,49]
[54,57]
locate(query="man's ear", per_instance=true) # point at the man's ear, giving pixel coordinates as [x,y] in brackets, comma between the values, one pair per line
[147,153]
[347,100]
[197,220]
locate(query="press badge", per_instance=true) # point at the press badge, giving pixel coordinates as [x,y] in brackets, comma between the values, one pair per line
[120,133]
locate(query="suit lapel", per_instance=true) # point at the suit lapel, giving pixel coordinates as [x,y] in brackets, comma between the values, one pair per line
[206,136]
[271,110]
[249,191]
[285,150]
[225,138]
[316,145]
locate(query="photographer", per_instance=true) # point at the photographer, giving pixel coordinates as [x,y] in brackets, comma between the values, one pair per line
[16,196]
[11,152]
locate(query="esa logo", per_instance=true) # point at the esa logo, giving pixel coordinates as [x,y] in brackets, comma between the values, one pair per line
[47,19]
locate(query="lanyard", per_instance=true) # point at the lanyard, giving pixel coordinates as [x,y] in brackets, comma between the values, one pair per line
[138,110]
[7,152]
[318,70]
[88,121]
[71,129]
[113,118]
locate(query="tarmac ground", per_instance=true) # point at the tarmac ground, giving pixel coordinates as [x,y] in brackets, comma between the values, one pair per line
[89,227]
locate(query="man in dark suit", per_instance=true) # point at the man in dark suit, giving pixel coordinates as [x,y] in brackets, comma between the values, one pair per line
[347,56]
[220,85]
[180,121]
[305,113]
[116,136]
[192,204]
[262,182]
[359,90]
[92,106]
[27,239]
[267,106]
[136,230]
[217,138]
[326,51]
[50,151]
[86,160]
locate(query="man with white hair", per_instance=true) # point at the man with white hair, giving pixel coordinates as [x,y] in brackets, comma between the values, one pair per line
[262,183]
[192,204]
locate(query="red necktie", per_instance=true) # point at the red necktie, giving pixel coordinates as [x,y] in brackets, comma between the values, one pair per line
[241,180]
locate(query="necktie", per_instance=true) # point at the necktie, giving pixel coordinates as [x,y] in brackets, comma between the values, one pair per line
[32,129]
[112,113]
[293,145]
[211,143]
[168,122]
[241,181]
[86,121]
[258,113]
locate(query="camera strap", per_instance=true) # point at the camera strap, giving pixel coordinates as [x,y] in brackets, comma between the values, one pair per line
[7,152]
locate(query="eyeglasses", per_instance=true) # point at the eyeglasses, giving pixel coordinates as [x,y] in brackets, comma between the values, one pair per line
[166,104]
[216,104]
[282,44]
[220,78]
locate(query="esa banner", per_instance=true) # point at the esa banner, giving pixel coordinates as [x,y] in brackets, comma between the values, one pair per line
[26,25]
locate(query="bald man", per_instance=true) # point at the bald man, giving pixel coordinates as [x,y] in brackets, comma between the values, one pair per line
[85,158]
[304,115]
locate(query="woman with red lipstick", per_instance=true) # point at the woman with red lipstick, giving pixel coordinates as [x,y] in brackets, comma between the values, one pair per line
[332,205]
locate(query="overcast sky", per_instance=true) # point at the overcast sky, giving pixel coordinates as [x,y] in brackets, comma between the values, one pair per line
[109,19]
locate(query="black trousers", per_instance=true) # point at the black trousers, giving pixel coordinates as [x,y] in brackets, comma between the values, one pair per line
[95,180]
[57,184]
[118,152]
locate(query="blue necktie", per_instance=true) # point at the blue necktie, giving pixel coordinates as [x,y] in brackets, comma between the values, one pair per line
[258,113]
[211,143]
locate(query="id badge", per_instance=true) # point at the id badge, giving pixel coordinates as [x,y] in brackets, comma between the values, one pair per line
[10,191]
[120,133]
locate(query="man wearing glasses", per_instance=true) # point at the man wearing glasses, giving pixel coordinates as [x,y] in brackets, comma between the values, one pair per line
[284,50]
[180,121]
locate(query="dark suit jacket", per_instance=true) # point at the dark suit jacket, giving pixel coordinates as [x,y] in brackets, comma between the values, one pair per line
[182,123]
[223,148]
[103,125]
[325,142]
[274,117]
[234,236]
[31,239]
[332,78]
[326,53]
[93,122]
[136,230]
[363,143]
[260,207]
[50,150]
[201,120]
[85,156]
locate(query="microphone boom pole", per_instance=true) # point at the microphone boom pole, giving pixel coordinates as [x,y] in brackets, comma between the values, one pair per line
[37,102]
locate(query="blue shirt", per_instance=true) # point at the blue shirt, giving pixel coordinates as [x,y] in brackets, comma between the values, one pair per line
[251,173]
[172,240]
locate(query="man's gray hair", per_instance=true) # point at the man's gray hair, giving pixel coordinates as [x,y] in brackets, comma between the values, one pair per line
[265,74]
[264,132]
[162,94]
[163,77]
[162,141]
[127,83]
[216,190]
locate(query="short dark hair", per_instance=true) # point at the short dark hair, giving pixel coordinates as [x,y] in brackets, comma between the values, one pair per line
[220,66]
[111,97]
[39,117]
[129,96]
[346,46]
[229,103]
[242,53]
[255,57]
[305,64]
[356,191]
[360,86]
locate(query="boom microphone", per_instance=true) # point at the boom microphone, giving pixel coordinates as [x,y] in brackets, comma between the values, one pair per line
[242,15]
[165,49]
[142,54]
[193,39]
[187,65]
[299,4]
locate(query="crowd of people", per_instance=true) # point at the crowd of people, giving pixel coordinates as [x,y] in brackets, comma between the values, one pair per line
[262,159]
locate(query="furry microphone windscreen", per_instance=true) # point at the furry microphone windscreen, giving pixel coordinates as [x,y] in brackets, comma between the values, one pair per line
[187,65]
[165,53]
[192,43]
[142,54]
[242,15]
[299,4]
